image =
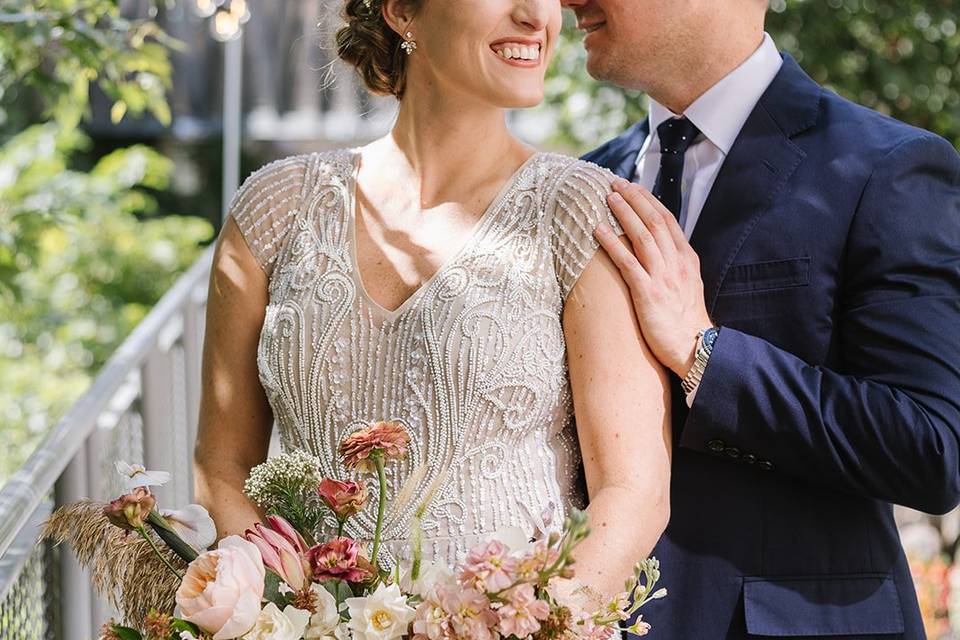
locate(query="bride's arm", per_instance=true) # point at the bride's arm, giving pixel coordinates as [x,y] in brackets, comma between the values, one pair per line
[235,417]
[622,405]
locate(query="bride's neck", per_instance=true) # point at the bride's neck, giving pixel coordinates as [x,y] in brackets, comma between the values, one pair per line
[452,145]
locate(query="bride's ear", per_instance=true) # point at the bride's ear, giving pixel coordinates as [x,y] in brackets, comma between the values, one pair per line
[398,14]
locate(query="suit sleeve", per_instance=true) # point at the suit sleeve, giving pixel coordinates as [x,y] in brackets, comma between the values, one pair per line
[887,425]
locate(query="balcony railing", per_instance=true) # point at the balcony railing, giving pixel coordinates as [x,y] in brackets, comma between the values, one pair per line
[143,406]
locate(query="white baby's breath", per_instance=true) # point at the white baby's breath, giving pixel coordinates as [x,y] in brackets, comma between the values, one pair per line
[296,469]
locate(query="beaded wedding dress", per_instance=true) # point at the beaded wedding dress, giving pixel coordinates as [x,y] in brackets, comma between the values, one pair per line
[473,363]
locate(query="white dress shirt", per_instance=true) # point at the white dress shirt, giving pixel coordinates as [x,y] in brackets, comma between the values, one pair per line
[719,114]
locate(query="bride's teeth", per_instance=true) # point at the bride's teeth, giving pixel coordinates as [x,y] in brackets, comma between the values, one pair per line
[525,53]
[521,52]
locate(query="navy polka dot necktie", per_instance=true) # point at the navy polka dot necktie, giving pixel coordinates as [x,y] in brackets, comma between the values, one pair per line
[676,135]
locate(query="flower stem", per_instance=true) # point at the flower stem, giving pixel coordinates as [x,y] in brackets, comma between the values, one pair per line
[381,507]
[146,536]
[340,524]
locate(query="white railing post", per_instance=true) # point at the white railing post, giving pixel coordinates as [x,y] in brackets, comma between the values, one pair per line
[76,621]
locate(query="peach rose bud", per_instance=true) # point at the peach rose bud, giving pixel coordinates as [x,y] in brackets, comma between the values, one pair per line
[130,511]
[344,498]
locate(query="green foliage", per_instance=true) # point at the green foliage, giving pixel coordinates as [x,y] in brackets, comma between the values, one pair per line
[91,278]
[83,253]
[61,47]
[900,58]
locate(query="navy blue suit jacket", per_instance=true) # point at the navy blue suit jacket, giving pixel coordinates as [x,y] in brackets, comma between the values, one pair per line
[830,253]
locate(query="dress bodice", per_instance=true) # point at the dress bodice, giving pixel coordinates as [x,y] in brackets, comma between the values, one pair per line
[473,363]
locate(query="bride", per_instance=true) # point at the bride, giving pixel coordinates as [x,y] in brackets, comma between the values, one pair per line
[445,276]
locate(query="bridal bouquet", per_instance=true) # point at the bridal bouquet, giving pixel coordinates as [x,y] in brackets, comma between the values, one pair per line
[276,582]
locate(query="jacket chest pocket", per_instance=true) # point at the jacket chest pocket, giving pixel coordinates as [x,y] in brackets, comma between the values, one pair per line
[767,276]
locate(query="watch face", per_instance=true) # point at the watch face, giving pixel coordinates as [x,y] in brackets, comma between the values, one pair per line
[710,336]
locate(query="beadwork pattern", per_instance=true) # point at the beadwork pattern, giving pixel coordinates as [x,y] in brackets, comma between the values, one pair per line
[474,363]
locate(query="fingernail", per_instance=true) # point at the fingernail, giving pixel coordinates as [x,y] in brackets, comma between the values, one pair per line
[616,197]
[602,229]
[620,183]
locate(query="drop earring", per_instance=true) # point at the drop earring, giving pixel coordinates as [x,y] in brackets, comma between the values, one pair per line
[409,44]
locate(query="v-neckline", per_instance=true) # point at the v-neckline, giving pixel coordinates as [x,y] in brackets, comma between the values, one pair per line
[477,230]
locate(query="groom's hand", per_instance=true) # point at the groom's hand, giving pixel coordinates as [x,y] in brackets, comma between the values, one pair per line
[662,271]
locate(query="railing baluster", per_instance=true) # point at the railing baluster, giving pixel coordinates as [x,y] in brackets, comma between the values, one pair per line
[76,622]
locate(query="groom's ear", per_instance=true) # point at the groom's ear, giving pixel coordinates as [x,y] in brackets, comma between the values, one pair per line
[398,14]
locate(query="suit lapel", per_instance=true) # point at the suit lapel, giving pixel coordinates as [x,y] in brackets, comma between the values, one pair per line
[758,166]
[620,154]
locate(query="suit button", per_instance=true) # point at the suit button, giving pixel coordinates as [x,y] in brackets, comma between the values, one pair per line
[765,465]
[749,458]
[717,446]
[732,452]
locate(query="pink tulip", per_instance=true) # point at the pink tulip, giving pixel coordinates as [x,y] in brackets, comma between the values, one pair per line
[221,590]
[339,559]
[344,498]
[282,549]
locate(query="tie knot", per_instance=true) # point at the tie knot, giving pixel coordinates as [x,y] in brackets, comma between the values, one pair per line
[676,134]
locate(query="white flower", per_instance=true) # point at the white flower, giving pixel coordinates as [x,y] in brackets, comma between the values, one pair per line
[274,624]
[516,539]
[283,588]
[194,526]
[431,573]
[323,624]
[383,615]
[342,632]
[136,475]
[186,635]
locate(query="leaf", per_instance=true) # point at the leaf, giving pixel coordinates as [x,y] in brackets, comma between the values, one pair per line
[126,633]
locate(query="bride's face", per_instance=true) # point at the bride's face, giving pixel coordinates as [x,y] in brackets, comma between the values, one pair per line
[492,50]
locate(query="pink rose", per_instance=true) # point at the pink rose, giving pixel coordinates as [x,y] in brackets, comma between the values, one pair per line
[221,590]
[522,613]
[489,567]
[344,498]
[388,438]
[339,559]
[283,551]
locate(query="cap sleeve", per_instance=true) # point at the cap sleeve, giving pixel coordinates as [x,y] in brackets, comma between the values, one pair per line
[580,205]
[265,204]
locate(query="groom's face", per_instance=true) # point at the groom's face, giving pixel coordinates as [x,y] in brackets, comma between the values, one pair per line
[630,42]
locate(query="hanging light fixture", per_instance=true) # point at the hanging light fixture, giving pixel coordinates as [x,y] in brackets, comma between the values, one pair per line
[227,16]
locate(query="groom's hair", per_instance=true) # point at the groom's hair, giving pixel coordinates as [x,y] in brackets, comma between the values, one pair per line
[373,47]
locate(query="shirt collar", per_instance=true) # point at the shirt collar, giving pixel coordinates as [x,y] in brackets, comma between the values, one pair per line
[722,110]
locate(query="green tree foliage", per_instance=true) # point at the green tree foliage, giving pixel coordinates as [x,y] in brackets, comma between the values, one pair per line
[84,254]
[900,58]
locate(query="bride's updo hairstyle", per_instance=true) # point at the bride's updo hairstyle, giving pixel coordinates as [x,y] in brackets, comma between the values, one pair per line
[369,44]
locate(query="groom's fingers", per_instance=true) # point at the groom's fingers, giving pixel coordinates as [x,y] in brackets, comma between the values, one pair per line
[630,268]
[644,243]
[652,217]
[670,221]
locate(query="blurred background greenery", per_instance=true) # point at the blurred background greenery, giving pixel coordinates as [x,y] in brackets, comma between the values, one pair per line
[96,222]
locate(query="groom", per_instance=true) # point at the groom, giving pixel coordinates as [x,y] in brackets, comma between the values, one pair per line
[818,244]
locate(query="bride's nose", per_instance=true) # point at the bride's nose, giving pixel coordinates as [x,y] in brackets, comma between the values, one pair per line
[533,14]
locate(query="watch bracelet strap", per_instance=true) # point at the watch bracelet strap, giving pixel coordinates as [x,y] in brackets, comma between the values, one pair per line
[692,380]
